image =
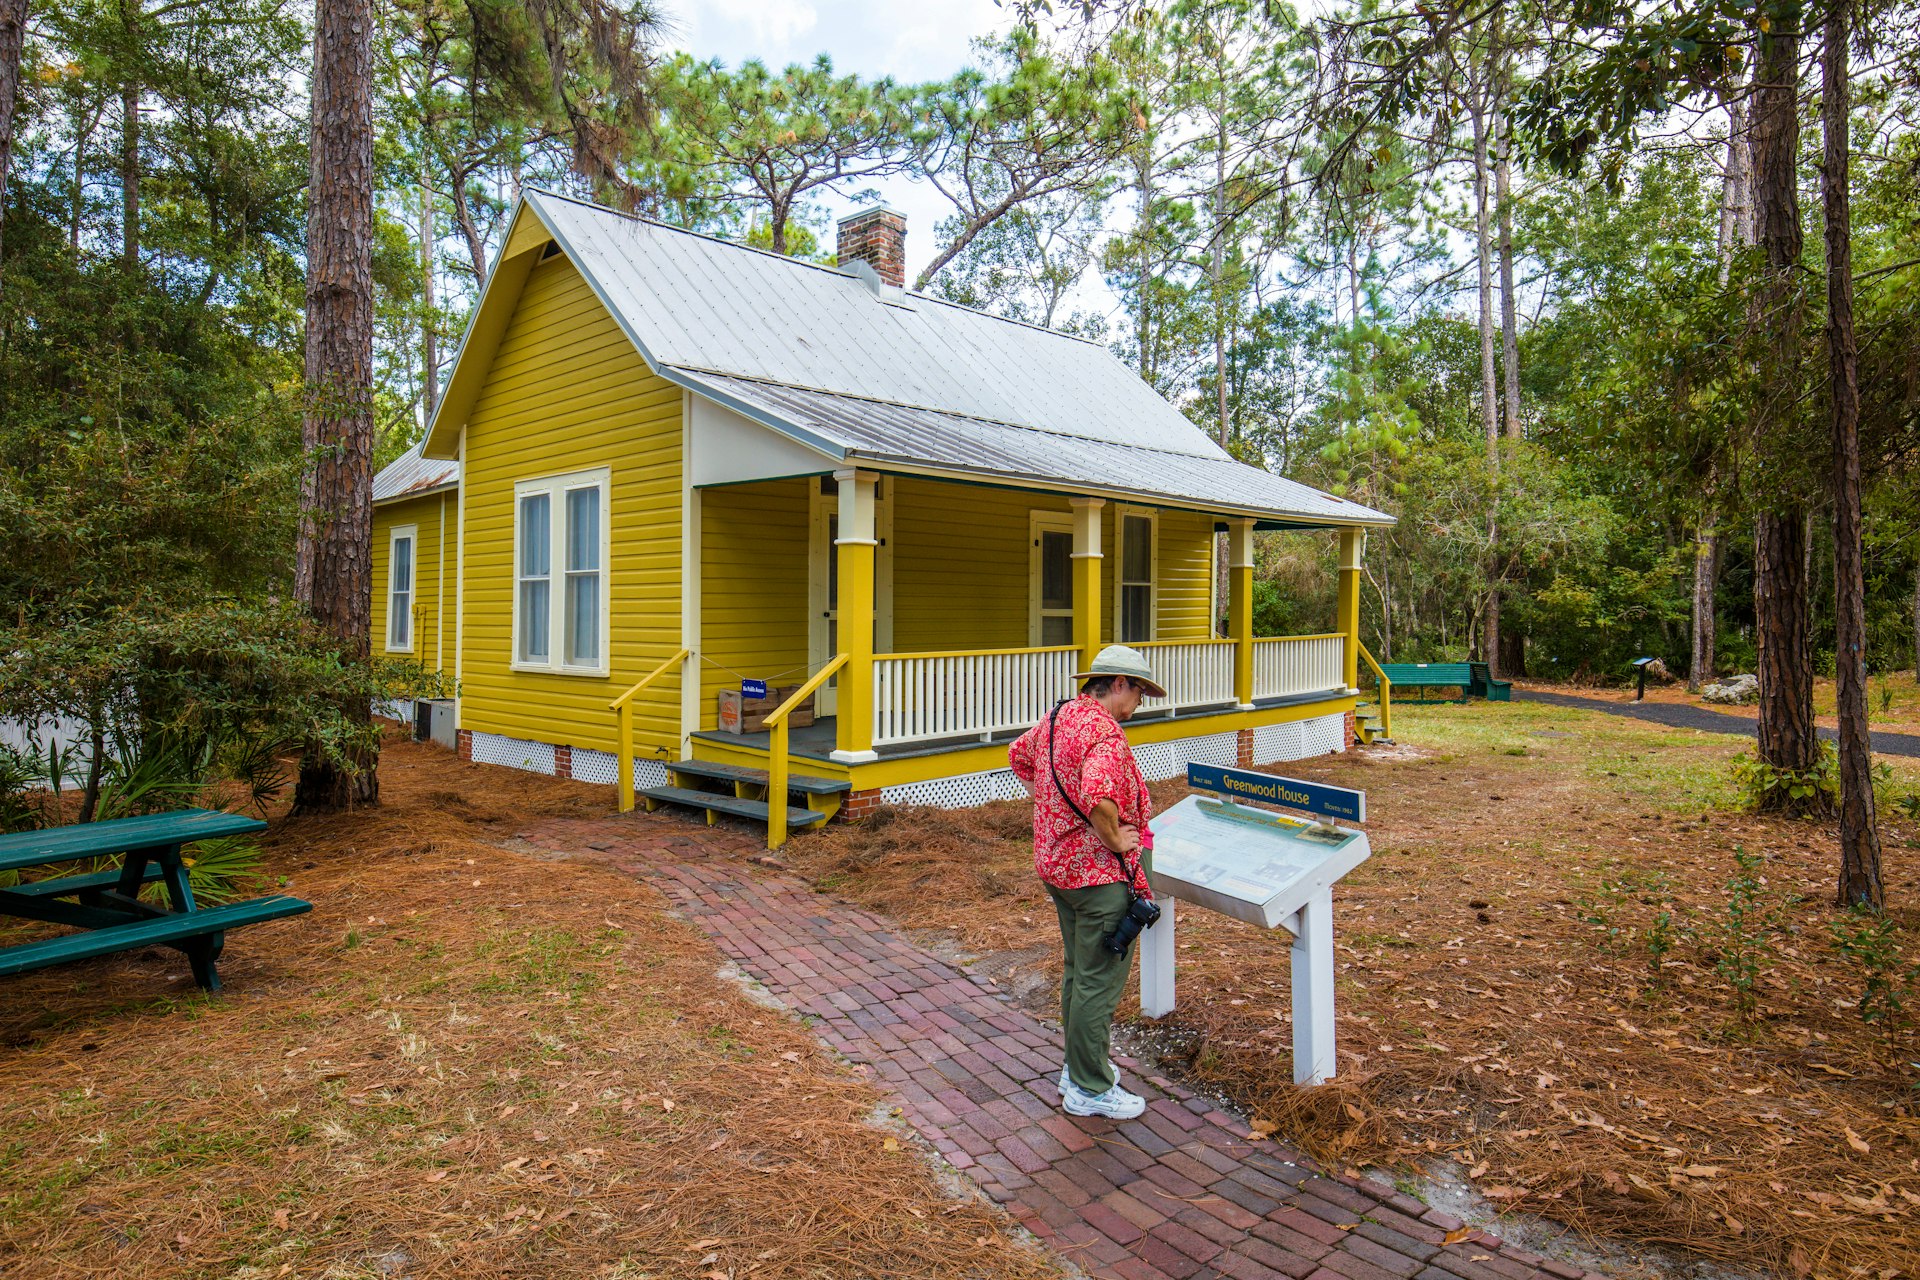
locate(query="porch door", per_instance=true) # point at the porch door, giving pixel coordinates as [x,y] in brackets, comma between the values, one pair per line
[823,583]
[1050,579]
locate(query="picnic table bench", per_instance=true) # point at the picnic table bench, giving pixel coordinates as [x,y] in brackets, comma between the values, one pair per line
[107,905]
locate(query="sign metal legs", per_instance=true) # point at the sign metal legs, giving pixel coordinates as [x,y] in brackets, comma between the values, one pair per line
[1156,963]
[1313,990]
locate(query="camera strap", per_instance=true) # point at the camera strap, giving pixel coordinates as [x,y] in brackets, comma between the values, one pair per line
[1053,729]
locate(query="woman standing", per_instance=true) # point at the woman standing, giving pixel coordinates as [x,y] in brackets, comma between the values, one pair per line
[1090,811]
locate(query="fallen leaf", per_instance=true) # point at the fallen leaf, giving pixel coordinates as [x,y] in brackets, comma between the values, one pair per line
[1503,1193]
[891,1144]
[436,1175]
[1261,1129]
[1700,1171]
[515,1163]
[1831,1070]
[1855,1141]
[280,1217]
[666,1104]
[1456,1235]
[699,1245]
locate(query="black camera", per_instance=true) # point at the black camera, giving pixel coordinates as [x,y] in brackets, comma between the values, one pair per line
[1141,914]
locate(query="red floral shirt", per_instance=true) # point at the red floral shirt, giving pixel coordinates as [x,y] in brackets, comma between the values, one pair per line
[1095,763]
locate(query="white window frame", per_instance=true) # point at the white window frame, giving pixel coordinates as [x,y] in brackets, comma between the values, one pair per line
[1152,517]
[1050,522]
[557,488]
[410,534]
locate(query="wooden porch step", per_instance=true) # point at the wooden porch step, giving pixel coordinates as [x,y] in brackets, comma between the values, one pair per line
[738,773]
[713,802]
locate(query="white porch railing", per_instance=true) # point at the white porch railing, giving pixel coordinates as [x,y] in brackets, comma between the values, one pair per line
[922,696]
[1195,673]
[1297,664]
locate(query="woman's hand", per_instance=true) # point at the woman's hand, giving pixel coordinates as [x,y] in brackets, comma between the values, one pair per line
[1129,841]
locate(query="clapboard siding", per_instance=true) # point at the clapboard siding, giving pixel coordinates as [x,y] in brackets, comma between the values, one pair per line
[753,590]
[435,582]
[567,392]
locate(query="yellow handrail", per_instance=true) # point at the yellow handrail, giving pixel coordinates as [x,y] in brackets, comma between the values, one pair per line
[1386,692]
[777,753]
[623,706]
[1168,644]
[1329,635]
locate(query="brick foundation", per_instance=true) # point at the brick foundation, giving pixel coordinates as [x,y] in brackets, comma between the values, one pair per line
[1350,733]
[563,762]
[1243,750]
[856,805]
[463,742]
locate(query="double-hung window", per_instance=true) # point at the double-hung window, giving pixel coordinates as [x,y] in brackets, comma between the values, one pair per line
[1133,607]
[400,557]
[561,545]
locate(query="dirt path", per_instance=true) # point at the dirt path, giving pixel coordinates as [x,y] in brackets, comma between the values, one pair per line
[1180,1192]
[1683,716]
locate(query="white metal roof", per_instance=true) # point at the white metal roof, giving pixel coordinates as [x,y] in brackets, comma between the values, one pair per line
[856,370]
[924,440]
[702,304]
[410,475]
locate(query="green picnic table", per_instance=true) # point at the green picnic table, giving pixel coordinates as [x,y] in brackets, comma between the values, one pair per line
[106,905]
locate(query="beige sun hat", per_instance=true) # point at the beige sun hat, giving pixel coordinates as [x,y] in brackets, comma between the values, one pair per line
[1119,660]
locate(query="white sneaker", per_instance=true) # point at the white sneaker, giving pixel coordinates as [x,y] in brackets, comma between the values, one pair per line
[1066,1080]
[1115,1104]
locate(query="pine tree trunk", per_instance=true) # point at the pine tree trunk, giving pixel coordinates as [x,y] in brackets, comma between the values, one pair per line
[1489,383]
[130,177]
[13,31]
[429,337]
[1503,199]
[1860,883]
[1706,581]
[333,577]
[1780,595]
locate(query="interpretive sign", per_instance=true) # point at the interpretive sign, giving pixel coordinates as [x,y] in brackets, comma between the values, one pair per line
[1246,863]
[1289,793]
[1267,869]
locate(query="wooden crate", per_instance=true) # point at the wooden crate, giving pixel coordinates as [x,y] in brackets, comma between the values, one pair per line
[741,714]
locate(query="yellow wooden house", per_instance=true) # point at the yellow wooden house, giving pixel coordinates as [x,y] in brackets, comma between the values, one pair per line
[667,465]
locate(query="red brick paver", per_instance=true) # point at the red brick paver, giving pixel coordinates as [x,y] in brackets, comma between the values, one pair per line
[1181,1192]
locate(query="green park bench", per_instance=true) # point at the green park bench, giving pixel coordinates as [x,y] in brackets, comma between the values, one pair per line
[106,905]
[1430,675]
[1472,679]
[1485,686]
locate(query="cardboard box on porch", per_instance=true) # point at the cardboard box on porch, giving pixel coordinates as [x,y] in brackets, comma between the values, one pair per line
[741,714]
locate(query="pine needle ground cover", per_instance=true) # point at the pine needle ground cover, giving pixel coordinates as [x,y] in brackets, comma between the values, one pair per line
[1574,974]
[467,1061]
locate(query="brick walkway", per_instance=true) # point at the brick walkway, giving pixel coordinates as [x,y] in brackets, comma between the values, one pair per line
[1179,1192]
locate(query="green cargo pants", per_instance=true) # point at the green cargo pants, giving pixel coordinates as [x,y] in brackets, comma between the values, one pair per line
[1092,980]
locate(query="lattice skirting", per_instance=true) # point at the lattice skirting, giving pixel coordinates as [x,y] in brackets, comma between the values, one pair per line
[603,767]
[400,709]
[588,765]
[494,748]
[1299,739]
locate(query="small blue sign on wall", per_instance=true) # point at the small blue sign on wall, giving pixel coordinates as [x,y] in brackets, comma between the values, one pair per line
[1290,793]
[753,688]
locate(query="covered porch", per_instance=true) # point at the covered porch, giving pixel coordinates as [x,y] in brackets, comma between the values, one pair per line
[867,572]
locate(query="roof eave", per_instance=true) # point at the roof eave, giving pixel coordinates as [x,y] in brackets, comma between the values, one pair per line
[901,464]
[445,486]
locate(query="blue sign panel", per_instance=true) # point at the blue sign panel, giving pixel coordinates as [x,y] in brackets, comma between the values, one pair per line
[1291,793]
[753,688]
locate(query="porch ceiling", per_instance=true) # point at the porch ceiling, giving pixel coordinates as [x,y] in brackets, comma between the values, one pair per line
[893,437]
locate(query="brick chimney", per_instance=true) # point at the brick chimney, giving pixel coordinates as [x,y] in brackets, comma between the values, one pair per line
[877,237]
